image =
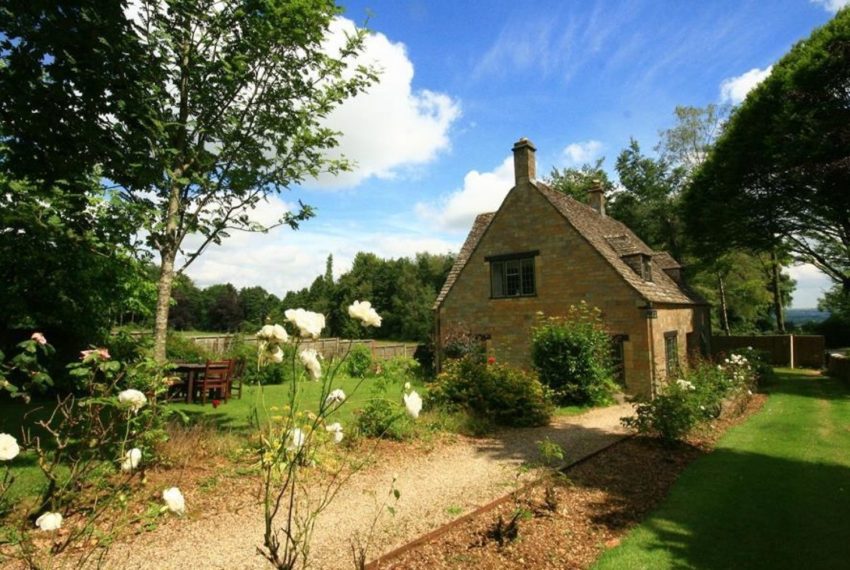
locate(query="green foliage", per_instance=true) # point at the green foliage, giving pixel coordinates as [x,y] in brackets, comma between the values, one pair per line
[127,347]
[400,369]
[493,392]
[671,415]
[79,275]
[760,372]
[551,453]
[383,419]
[699,397]
[779,171]
[80,446]
[648,204]
[184,349]
[194,160]
[270,374]
[359,361]
[576,182]
[384,415]
[460,343]
[737,282]
[572,355]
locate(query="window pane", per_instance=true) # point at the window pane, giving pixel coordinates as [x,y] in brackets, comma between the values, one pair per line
[672,353]
[512,278]
[497,277]
[618,359]
[528,276]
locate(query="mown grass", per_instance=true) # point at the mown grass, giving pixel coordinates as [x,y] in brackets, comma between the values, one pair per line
[775,493]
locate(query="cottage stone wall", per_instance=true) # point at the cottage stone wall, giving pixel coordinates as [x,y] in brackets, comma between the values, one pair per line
[682,321]
[567,271]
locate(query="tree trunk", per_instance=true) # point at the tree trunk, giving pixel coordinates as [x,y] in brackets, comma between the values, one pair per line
[777,292]
[163,304]
[724,317]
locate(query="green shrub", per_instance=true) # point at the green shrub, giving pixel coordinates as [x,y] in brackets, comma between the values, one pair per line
[671,416]
[400,369]
[129,347]
[359,361]
[182,348]
[572,356]
[501,394]
[424,356]
[697,398]
[460,343]
[384,419]
[759,364]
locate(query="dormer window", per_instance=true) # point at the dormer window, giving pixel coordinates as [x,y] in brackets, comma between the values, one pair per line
[641,264]
[512,275]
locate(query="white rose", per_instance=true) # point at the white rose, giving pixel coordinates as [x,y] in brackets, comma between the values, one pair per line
[131,459]
[279,333]
[309,324]
[336,431]
[364,312]
[310,359]
[335,397]
[296,439]
[174,500]
[133,398]
[9,448]
[413,404]
[276,355]
[266,333]
[49,521]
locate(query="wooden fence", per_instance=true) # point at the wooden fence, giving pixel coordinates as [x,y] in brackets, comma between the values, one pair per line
[806,351]
[327,347]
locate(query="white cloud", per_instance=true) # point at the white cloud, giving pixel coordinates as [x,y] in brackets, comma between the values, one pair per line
[811,285]
[481,192]
[734,89]
[832,5]
[577,154]
[284,260]
[391,126]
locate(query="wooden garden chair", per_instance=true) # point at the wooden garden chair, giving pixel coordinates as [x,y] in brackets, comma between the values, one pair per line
[236,376]
[216,378]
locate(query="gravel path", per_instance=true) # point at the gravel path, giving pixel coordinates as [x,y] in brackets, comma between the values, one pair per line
[435,488]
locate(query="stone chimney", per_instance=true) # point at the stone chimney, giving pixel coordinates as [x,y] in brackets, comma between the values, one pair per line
[596,197]
[525,167]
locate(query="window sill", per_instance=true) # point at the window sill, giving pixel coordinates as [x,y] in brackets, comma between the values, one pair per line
[513,297]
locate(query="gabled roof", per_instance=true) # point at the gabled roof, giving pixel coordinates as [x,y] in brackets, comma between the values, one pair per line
[612,239]
[479,226]
[664,260]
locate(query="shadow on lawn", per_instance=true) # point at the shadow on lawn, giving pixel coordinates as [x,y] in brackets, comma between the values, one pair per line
[745,510]
[776,494]
[807,384]
[221,421]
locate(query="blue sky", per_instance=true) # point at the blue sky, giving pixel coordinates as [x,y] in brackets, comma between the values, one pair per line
[463,80]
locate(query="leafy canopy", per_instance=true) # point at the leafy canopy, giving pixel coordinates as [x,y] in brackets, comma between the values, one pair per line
[781,169]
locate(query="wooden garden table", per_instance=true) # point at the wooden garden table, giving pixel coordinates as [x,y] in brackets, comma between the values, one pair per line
[191,370]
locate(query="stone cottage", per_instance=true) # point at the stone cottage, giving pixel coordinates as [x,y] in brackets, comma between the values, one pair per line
[544,251]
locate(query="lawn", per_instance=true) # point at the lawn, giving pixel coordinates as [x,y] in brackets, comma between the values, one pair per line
[236,414]
[775,493]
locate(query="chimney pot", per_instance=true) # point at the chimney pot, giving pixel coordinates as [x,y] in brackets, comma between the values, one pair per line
[596,197]
[525,167]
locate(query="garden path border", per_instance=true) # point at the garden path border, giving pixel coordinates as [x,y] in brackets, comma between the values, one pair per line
[492,505]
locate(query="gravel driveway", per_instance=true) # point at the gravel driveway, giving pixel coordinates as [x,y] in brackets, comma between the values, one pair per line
[435,488]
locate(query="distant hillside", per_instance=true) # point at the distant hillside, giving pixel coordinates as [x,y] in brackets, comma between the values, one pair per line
[799,316]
